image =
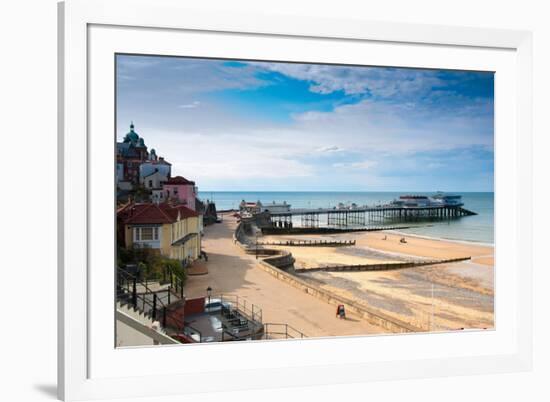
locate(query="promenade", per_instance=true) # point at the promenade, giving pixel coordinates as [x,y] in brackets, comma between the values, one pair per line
[231,271]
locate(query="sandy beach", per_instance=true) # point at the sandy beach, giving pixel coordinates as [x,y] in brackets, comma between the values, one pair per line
[436,297]
[233,272]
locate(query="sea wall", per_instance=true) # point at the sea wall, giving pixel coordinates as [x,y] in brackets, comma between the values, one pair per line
[374,317]
[280,264]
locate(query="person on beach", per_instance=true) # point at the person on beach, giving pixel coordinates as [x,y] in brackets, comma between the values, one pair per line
[341,311]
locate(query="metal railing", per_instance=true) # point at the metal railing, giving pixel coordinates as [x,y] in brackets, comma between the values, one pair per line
[247,309]
[148,301]
[281,331]
[192,333]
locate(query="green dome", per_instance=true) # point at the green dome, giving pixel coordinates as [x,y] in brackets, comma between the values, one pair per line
[131,136]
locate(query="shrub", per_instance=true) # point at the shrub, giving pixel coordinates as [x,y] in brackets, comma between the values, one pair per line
[151,265]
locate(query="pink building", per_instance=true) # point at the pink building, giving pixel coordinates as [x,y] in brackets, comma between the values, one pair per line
[180,190]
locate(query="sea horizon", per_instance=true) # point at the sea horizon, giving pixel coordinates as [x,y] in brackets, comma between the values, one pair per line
[478,228]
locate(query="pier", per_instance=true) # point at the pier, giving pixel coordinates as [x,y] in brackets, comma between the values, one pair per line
[309,243]
[365,216]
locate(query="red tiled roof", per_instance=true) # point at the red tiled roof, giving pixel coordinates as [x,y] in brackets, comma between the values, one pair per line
[179,180]
[173,210]
[154,214]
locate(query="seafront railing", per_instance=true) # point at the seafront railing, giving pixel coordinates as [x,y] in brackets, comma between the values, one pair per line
[281,331]
[248,310]
[147,301]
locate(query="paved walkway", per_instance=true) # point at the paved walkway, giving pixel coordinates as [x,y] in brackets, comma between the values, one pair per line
[231,271]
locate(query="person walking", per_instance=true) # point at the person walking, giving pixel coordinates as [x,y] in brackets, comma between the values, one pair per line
[341,311]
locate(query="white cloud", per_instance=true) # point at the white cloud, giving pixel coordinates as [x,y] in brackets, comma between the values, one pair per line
[191,105]
[376,136]
[189,77]
[365,164]
[225,157]
[382,82]
[358,142]
[393,129]
[329,149]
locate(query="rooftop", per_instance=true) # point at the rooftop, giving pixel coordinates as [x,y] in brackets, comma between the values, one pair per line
[179,180]
[149,213]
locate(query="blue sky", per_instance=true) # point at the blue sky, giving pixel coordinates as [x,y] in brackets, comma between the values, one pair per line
[265,126]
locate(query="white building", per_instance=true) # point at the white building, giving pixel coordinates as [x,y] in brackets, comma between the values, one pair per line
[153,165]
[158,195]
[275,207]
[153,180]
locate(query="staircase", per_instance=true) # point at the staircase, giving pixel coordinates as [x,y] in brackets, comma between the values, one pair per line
[138,315]
[143,305]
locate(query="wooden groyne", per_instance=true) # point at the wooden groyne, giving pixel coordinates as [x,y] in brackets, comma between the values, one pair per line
[388,266]
[310,243]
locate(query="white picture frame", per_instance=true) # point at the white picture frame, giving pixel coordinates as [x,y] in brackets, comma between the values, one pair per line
[90,31]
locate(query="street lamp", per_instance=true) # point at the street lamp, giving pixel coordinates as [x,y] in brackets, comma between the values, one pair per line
[209,293]
[256,245]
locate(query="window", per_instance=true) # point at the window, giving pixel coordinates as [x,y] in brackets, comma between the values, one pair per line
[143,234]
[150,183]
[147,234]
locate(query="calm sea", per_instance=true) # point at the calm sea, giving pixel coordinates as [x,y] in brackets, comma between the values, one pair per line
[478,228]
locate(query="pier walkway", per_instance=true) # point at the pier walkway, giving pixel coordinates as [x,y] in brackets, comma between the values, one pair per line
[309,243]
[362,216]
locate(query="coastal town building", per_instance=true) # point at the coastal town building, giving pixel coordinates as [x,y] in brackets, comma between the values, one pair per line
[257,207]
[155,164]
[131,152]
[180,190]
[158,195]
[250,207]
[275,207]
[153,180]
[423,201]
[208,211]
[172,230]
[134,162]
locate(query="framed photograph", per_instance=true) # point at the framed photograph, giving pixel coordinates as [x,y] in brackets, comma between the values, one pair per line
[294,200]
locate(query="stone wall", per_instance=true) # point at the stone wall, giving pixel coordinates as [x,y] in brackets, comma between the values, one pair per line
[281,258]
[374,317]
